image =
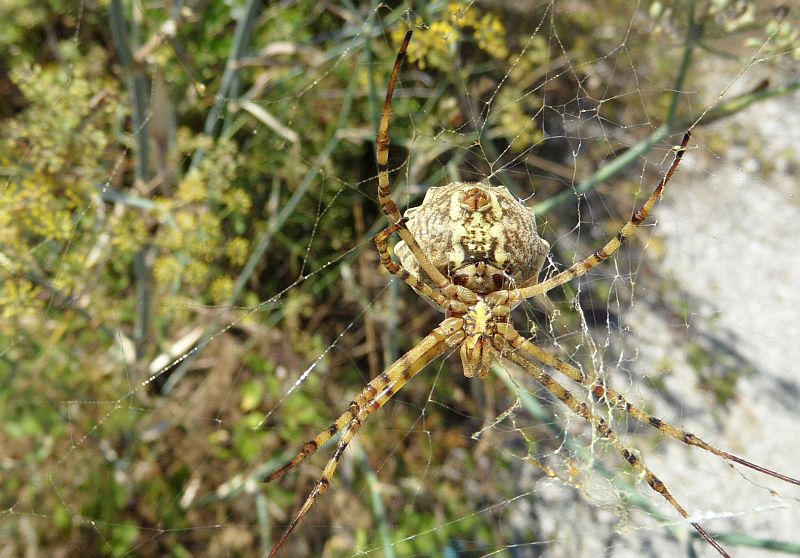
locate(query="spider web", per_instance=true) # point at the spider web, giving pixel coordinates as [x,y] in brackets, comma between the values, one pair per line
[175,329]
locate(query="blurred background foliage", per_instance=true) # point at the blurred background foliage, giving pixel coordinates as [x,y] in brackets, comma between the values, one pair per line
[200,174]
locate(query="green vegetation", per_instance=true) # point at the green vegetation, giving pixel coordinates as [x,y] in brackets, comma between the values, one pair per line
[198,181]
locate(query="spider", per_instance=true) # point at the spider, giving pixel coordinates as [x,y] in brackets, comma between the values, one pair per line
[471,250]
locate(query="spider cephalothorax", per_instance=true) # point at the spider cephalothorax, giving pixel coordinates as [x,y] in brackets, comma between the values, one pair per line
[477,235]
[472,251]
[482,342]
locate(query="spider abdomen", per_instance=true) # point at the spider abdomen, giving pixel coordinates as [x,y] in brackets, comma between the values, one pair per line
[478,235]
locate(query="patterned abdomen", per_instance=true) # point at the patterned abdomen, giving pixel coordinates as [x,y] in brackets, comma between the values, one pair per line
[478,235]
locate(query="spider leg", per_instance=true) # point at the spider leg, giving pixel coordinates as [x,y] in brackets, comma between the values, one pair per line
[449,334]
[581,268]
[617,400]
[388,206]
[601,425]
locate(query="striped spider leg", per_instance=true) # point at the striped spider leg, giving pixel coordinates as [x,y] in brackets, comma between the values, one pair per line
[448,335]
[582,267]
[451,292]
[388,205]
[616,400]
[581,409]
[522,351]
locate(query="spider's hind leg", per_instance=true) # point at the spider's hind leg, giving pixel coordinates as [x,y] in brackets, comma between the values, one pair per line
[617,400]
[601,425]
[448,335]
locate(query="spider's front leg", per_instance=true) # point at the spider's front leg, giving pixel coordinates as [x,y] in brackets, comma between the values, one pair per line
[388,205]
[448,335]
[582,267]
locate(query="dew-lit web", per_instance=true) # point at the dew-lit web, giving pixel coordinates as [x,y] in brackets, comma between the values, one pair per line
[176,324]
